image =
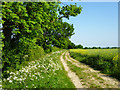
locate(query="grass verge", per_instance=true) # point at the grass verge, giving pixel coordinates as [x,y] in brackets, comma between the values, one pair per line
[47,72]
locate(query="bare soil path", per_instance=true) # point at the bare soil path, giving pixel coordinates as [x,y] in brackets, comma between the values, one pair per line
[74,78]
[88,76]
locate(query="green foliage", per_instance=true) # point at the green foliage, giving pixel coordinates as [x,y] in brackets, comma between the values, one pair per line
[31,26]
[35,53]
[55,49]
[79,46]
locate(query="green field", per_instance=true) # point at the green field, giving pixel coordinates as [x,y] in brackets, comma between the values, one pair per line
[106,60]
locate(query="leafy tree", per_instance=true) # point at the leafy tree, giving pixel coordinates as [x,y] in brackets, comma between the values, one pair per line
[79,46]
[99,47]
[71,45]
[29,24]
[94,47]
[86,48]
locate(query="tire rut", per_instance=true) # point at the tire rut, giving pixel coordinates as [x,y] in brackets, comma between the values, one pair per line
[107,82]
[74,78]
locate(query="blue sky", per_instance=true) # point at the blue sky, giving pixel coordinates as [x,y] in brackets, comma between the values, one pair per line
[97,25]
[89,0]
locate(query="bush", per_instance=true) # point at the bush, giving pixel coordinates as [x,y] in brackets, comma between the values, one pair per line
[14,58]
[55,49]
[35,53]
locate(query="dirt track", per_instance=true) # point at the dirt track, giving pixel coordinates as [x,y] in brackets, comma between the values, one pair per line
[95,77]
[74,78]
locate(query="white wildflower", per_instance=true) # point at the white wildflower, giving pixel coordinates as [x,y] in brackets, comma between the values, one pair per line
[20,79]
[32,84]
[25,56]
[22,70]
[12,73]
[10,81]
[8,78]
[26,70]
[17,72]
[24,78]
[15,78]
[4,79]
[31,79]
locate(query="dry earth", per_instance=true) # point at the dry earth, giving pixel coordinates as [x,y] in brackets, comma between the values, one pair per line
[74,78]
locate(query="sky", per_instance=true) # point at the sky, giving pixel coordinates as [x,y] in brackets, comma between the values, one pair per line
[97,25]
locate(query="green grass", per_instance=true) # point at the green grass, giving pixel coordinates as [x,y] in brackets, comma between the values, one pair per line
[47,72]
[105,60]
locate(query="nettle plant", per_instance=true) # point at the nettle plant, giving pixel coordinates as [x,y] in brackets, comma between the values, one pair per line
[27,25]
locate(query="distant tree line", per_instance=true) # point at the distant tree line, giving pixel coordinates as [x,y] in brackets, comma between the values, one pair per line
[79,46]
[73,46]
[100,47]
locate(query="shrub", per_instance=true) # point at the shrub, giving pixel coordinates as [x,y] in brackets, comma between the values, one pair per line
[15,58]
[55,49]
[35,53]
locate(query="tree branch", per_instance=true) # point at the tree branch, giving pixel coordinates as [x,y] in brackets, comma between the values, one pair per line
[57,19]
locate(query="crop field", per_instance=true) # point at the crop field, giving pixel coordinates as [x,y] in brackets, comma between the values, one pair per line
[106,60]
[105,53]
